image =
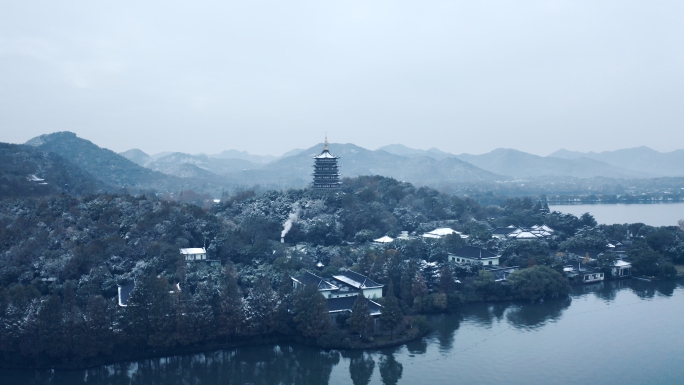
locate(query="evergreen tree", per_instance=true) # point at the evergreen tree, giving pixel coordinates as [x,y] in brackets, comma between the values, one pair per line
[311,312]
[283,321]
[360,319]
[391,315]
[447,285]
[231,300]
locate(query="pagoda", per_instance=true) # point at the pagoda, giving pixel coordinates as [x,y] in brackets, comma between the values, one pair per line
[326,174]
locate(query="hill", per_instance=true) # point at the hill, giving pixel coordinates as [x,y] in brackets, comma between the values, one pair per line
[201,164]
[355,161]
[640,159]
[401,150]
[25,172]
[523,165]
[137,156]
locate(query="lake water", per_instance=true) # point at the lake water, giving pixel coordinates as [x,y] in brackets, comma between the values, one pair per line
[626,332]
[655,214]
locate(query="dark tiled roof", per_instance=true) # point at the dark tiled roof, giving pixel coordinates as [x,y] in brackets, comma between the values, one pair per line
[347,303]
[308,278]
[503,230]
[356,280]
[501,273]
[473,252]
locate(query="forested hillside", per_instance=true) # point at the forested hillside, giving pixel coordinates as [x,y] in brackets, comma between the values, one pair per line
[62,258]
[27,172]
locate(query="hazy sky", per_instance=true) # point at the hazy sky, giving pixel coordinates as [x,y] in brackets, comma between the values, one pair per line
[269,76]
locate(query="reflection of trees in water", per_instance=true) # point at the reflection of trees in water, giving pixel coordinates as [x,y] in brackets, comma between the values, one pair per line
[444,326]
[649,289]
[418,346]
[282,364]
[534,315]
[485,313]
[390,369]
[361,366]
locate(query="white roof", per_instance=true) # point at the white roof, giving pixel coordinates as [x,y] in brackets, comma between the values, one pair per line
[524,235]
[621,263]
[443,231]
[193,250]
[384,239]
[428,235]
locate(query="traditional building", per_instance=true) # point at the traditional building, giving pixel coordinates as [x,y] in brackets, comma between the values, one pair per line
[476,255]
[326,172]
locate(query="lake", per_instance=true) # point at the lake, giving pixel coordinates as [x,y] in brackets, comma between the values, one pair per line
[625,332]
[654,214]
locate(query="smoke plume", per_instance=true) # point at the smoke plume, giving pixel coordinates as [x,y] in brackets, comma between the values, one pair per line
[291,220]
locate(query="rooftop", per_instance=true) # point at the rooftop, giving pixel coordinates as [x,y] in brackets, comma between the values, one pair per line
[356,280]
[473,252]
[193,250]
[347,303]
[308,278]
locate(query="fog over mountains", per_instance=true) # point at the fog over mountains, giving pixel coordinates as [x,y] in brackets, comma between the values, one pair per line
[63,158]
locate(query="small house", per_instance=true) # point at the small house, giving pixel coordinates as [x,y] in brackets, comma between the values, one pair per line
[621,269]
[357,282]
[582,273]
[194,254]
[307,278]
[476,255]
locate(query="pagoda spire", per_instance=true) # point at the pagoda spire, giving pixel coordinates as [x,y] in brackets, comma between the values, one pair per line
[326,141]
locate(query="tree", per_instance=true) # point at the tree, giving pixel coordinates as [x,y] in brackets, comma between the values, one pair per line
[538,282]
[447,284]
[311,312]
[419,291]
[360,319]
[391,315]
[231,297]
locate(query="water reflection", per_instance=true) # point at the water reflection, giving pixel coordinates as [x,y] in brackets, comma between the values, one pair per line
[361,366]
[297,364]
[533,316]
[650,289]
[390,369]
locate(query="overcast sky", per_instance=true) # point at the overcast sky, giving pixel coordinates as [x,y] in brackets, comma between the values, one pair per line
[270,76]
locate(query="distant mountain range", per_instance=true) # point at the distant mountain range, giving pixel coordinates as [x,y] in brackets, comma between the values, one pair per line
[640,159]
[67,159]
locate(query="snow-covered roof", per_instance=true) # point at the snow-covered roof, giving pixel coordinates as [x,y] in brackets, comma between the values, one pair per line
[524,235]
[442,231]
[356,280]
[34,178]
[384,239]
[193,250]
[621,263]
[325,155]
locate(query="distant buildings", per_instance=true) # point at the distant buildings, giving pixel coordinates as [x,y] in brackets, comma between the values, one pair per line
[535,232]
[326,174]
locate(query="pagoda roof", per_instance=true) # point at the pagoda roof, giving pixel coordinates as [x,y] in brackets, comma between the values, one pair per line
[325,154]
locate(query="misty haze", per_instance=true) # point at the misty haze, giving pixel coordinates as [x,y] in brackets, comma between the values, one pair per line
[365,192]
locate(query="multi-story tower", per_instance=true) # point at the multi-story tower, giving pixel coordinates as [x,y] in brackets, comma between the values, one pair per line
[326,173]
